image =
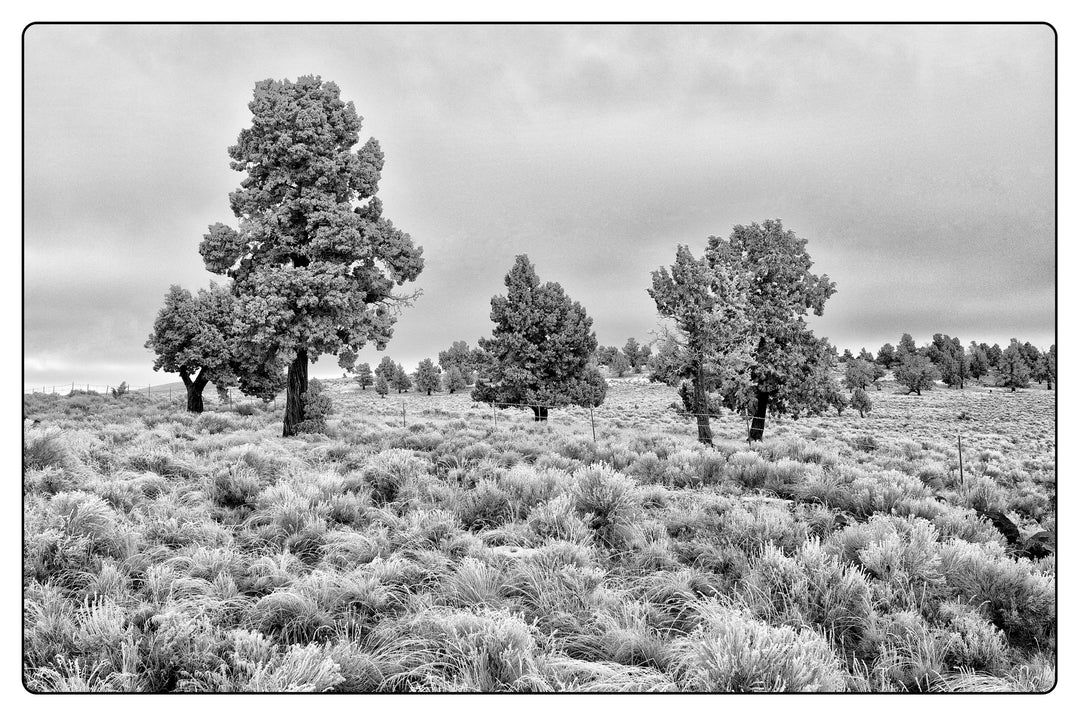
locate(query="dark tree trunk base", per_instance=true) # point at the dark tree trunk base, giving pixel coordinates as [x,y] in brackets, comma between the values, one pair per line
[194,398]
[540,413]
[757,424]
[297,384]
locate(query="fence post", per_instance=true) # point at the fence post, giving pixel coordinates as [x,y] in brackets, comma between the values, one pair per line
[403,413]
[73,387]
[593,423]
[960,454]
[148,390]
[494,416]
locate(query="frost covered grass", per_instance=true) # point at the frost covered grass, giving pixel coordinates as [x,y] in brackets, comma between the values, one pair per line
[167,552]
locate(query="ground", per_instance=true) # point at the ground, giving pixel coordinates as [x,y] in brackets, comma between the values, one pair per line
[470,551]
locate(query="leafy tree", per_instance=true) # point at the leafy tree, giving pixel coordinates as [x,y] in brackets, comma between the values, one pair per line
[364,376]
[120,391]
[917,373]
[858,373]
[382,386]
[947,355]
[606,354]
[540,348]
[860,401]
[708,307]
[848,356]
[667,364]
[978,362]
[192,336]
[644,353]
[785,354]
[386,368]
[632,352]
[620,364]
[459,354]
[427,377]
[886,356]
[993,353]
[314,262]
[866,355]
[1031,356]
[453,380]
[1013,371]
[401,381]
[1050,367]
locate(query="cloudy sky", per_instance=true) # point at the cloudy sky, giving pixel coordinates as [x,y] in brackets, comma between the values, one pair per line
[918,161]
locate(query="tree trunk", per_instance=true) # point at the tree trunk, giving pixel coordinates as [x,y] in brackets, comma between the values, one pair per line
[297,384]
[194,388]
[701,407]
[757,425]
[539,413]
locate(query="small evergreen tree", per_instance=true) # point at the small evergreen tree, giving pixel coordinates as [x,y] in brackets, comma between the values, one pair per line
[427,377]
[318,406]
[886,357]
[906,347]
[364,377]
[382,386]
[620,364]
[847,356]
[860,401]
[916,373]
[993,353]
[978,362]
[631,350]
[1013,372]
[401,381]
[386,368]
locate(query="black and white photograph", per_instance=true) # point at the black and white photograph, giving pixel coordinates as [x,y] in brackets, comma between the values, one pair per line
[559,357]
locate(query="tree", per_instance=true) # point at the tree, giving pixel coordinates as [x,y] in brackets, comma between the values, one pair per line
[364,376]
[606,354]
[539,350]
[632,351]
[947,355]
[314,263]
[1050,367]
[1031,356]
[978,362]
[644,353]
[386,368]
[382,386]
[906,347]
[427,377]
[858,373]
[620,364]
[453,380]
[465,359]
[860,401]
[886,356]
[192,336]
[707,305]
[917,373]
[785,352]
[1013,372]
[401,381]
[847,356]
[994,354]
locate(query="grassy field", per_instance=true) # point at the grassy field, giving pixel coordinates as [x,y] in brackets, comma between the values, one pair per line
[165,551]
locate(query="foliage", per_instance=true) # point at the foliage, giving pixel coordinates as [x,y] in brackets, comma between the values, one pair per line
[620,364]
[858,373]
[886,356]
[1013,371]
[785,354]
[461,356]
[427,377]
[121,390]
[978,362]
[382,387]
[319,407]
[861,402]
[540,347]
[947,355]
[313,262]
[916,373]
[364,377]
[453,380]
[401,380]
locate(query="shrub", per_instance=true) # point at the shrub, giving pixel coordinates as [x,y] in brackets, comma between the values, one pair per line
[44,449]
[732,652]
[317,407]
[606,500]
[235,486]
[485,506]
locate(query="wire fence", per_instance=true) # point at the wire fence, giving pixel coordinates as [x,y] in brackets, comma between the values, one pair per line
[163,394]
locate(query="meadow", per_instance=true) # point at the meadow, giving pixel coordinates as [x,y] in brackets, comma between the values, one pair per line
[466,551]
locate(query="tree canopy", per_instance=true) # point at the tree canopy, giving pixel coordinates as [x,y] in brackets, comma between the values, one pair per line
[785,355]
[313,260]
[539,350]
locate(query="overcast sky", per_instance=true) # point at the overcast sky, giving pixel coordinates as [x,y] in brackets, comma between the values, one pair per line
[918,162]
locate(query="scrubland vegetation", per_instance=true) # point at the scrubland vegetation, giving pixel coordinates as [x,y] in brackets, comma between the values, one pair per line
[172,551]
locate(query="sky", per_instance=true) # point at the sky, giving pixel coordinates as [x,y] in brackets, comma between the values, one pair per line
[917,161]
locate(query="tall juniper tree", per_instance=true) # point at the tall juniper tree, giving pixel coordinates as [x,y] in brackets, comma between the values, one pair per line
[707,305]
[786,357]
[540,349]
[314,262]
